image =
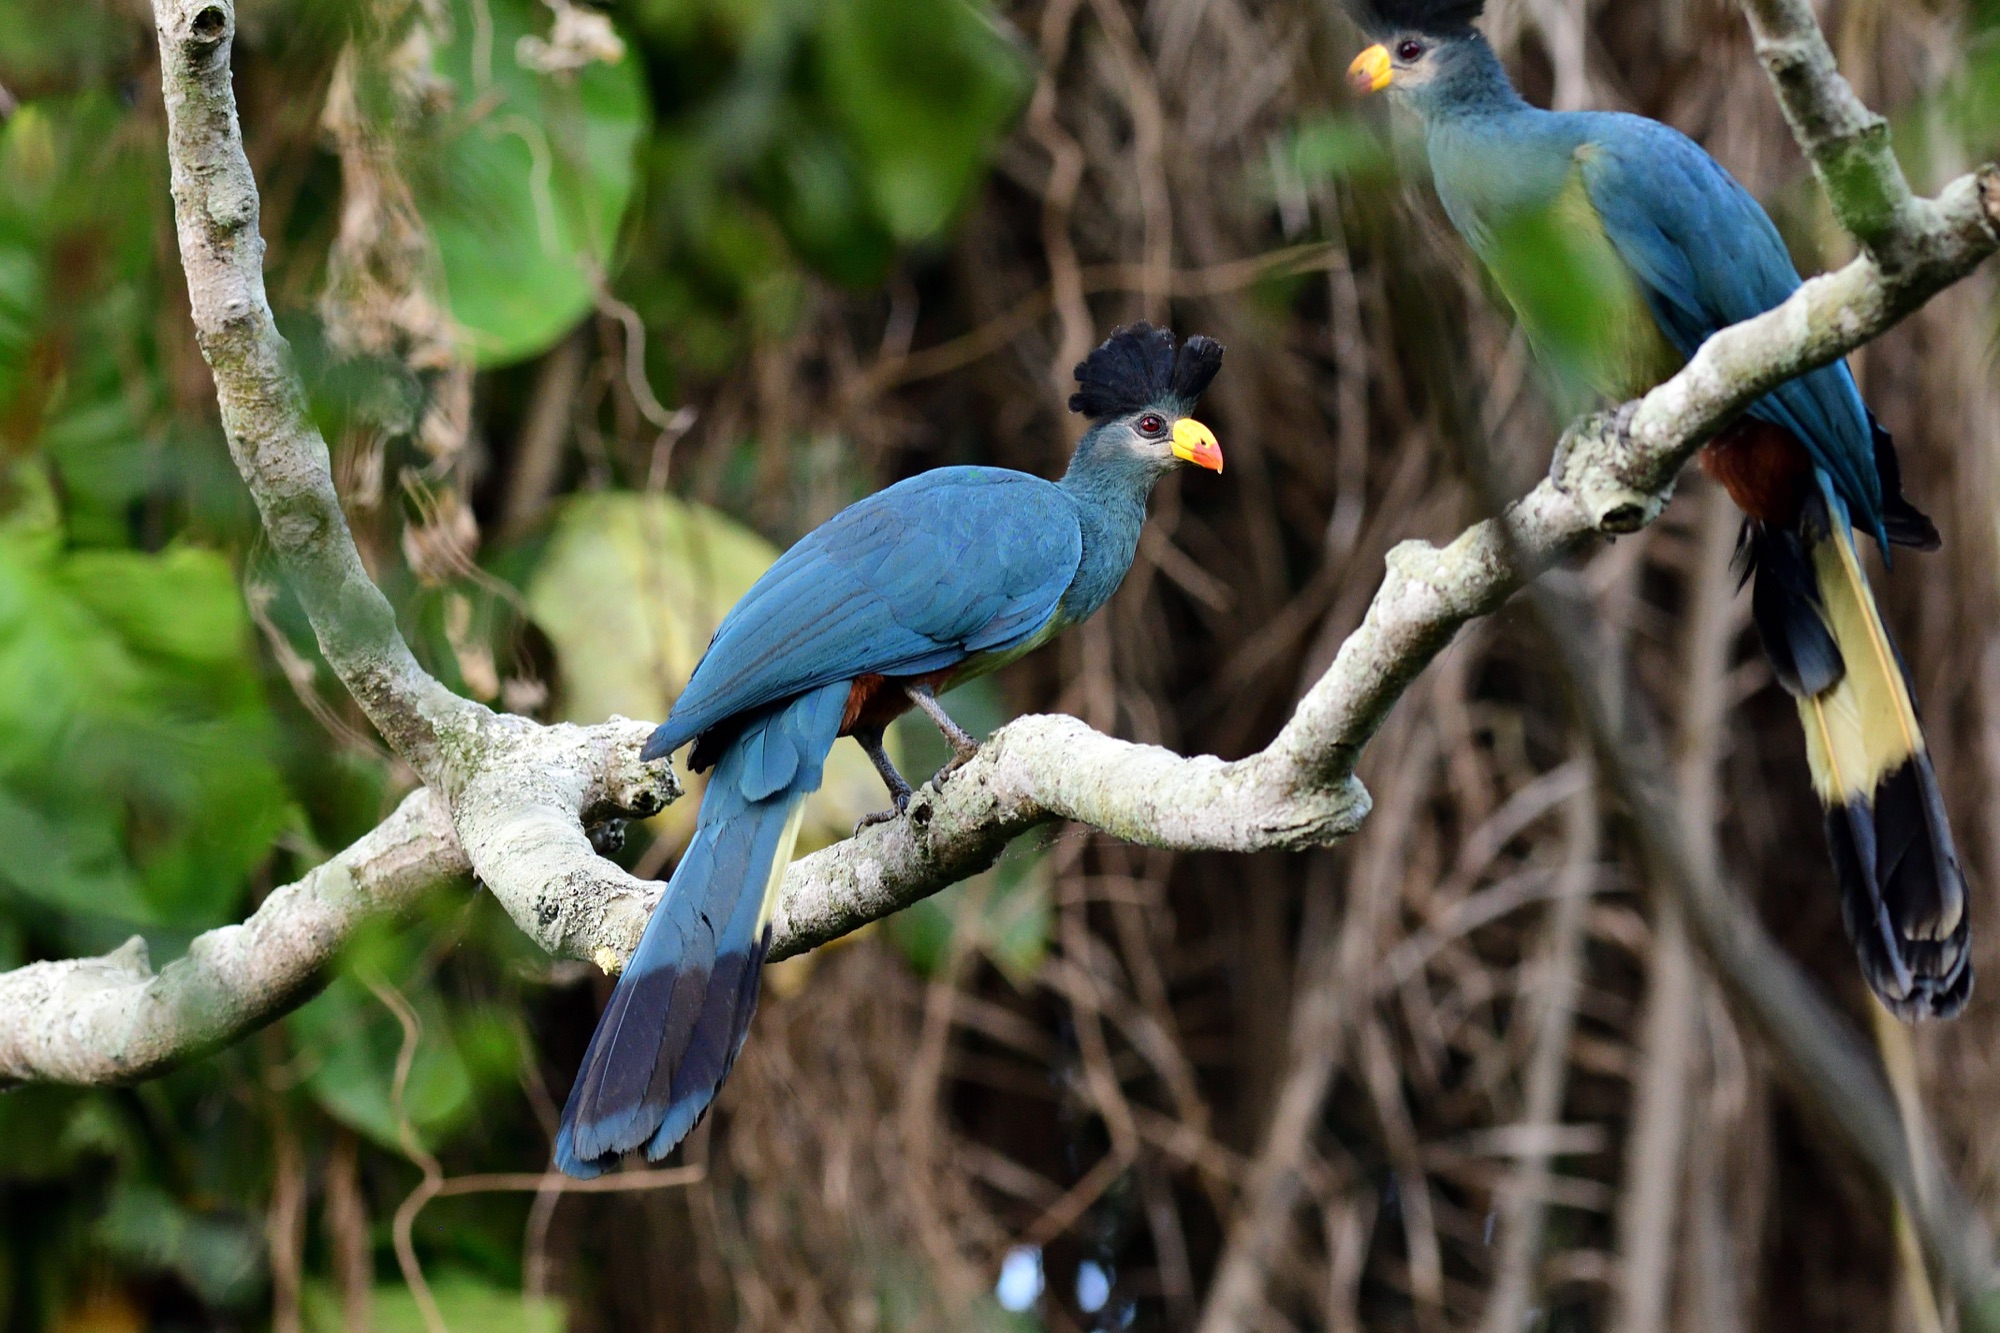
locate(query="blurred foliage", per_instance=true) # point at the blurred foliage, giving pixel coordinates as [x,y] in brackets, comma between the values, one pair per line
[136,787]
[168,751]
[526,183]
[463,1301]
[797,138]
[1322,149]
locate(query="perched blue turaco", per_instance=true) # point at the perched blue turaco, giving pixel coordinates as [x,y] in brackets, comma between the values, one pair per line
[936,580]
[1622,246]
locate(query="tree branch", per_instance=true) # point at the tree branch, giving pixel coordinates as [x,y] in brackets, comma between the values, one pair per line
[272,438]
[1847,143]
[114,1020]
[519,795]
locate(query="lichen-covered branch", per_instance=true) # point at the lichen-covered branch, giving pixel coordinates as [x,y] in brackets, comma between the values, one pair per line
[272,438]
[1847,142]
[516,794]
[516,797]
[114,1020]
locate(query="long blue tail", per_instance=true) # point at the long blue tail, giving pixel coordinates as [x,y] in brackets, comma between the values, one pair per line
[682,1008]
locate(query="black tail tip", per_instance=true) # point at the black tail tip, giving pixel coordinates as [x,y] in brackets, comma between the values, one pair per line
[1903,895]
[1937,993]
[1915,978]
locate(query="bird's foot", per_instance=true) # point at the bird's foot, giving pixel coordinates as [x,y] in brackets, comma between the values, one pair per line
[963,747]
[961,755]
[902,799]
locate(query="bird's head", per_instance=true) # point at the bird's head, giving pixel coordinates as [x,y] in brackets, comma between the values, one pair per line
[1138,390]
[1423,49]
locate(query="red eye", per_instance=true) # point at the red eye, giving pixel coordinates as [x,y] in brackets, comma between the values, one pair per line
[1151,424]
[1409,51]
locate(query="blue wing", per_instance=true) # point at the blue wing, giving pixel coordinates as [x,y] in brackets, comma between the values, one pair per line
[913,579]
[1708,256]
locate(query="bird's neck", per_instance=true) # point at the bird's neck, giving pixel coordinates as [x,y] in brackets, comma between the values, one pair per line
[1473,84]
[1110,491]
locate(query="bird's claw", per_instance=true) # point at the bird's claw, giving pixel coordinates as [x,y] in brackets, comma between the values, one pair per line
[884,816]
[961,756]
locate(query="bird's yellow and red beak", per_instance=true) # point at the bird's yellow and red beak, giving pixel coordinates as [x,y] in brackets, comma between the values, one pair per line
[1371,71]
[1196,443]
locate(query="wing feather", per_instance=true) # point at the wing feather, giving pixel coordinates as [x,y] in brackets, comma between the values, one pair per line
[910,580]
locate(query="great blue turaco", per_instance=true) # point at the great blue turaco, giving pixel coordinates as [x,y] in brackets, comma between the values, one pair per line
[1622,246]
[938,579]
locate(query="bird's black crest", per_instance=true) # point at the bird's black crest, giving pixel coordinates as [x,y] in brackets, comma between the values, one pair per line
[1139,366]
[1443,17]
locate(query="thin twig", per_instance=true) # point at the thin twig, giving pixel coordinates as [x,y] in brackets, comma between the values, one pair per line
[414,1149]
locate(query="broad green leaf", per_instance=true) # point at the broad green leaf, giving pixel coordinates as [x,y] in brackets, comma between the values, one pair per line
[136,779]
[1333,148]
[527,181]
[1578,302]
[925,88]
[350,1041]
[220,1255]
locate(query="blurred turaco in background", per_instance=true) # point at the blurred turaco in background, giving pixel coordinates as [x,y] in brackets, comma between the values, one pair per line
[1622,246]
[934,581]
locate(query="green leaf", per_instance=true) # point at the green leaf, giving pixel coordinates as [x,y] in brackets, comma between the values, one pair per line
[350,1042]
[136,781]
[630,587]
[527,183]
[925,90]
[1578,302]
[1333,148]
[825,207]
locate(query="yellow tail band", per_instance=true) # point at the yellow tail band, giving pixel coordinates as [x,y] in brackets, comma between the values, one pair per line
[780,860]
[1865,726]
